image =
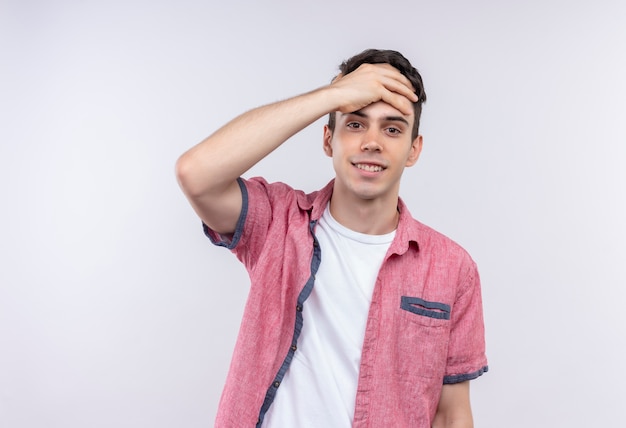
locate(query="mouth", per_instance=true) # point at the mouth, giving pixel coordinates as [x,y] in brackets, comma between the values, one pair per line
[369,167]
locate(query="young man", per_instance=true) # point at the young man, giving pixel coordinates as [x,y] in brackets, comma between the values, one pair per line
[358,315]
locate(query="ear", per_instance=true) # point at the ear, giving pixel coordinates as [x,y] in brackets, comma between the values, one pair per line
[416,149]
[328,137]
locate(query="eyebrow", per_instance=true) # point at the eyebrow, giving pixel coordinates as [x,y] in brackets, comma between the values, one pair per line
[386,118]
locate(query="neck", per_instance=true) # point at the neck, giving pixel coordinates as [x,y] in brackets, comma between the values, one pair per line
[373,217]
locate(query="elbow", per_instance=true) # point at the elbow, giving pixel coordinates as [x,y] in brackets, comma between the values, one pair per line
[198,178]
[187,176]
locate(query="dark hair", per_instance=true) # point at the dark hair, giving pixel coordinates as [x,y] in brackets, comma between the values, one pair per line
[397,60]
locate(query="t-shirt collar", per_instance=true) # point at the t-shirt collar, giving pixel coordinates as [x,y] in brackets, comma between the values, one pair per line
[408,230]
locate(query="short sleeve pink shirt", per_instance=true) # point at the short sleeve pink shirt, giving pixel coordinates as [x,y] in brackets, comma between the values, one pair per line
[425,323]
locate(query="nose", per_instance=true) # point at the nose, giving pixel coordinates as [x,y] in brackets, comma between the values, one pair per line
[370,142]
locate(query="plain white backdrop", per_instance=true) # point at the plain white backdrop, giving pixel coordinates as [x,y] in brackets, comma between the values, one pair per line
[115,311]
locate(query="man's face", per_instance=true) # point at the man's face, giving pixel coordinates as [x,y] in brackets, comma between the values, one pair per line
[370,149]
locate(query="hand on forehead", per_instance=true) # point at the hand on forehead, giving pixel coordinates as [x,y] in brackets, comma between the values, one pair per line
[383,69]
[371,83]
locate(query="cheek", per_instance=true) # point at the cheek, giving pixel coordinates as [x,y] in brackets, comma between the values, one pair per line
[335,147]
[338,157]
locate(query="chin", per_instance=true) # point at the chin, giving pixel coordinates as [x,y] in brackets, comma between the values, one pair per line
[367,192]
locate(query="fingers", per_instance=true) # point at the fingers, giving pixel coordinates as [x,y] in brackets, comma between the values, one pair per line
[399,102]
[395,81]
[375,82]
[397,90]
[399,94]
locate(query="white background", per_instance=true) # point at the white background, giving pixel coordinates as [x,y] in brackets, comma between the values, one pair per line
[115,311]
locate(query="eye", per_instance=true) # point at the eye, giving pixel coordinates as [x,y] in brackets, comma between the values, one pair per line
[393,131]
[354,125]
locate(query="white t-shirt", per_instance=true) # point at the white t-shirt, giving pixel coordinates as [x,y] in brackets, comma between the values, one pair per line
[319,388]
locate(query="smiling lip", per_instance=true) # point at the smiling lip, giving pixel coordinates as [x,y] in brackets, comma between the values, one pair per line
[369,167]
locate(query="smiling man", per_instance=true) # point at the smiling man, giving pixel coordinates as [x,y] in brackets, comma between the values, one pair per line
[358,315]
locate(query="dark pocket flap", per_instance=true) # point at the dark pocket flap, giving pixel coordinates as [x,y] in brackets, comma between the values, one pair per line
[423,307]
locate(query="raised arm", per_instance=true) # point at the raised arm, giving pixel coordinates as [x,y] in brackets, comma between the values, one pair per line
[207,173]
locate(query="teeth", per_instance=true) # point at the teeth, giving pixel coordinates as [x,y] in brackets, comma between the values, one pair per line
[369,168]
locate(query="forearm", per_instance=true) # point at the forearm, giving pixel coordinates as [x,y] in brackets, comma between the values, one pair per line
[221,158]
[446,422]
[454,410]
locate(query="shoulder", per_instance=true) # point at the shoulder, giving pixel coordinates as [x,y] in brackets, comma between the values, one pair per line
[276,190]
[438,241]
[430,241]
[281,194]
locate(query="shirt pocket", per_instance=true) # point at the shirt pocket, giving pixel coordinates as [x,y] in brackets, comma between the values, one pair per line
[424,312]
[424,334]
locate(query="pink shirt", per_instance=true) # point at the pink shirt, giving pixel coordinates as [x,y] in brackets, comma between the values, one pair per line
[425,323]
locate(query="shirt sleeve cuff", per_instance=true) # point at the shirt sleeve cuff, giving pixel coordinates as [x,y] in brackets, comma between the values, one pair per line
[465,376]
[230,241]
